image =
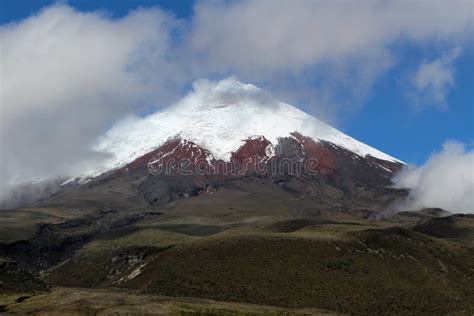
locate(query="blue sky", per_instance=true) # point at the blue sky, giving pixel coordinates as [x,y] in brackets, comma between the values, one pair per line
[18,9]
[391,122]
[388,113]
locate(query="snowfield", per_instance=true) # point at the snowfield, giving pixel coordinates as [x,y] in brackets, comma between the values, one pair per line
[219,116]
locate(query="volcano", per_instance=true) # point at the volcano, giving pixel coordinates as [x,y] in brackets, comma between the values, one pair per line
[226,131]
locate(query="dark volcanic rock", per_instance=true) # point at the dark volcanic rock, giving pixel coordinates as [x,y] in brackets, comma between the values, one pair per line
[14,279]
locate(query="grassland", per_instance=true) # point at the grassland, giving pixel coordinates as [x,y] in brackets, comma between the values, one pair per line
[255,245]
[358,267]
[77,301]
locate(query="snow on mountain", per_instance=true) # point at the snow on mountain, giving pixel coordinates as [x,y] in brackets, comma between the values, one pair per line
[219,116]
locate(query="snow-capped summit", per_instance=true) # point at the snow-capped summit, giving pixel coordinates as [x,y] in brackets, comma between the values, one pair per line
[220,117]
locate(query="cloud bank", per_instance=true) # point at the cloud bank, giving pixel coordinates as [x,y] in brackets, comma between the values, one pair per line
[446,180]
[67,76]
[318,52]
[290,36]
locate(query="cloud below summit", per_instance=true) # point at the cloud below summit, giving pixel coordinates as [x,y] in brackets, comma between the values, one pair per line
[66,76]
[446,180]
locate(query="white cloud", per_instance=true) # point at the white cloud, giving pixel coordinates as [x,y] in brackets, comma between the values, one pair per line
[291,35]
[433,80]
[327,50]
[446,180]
[66,76]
